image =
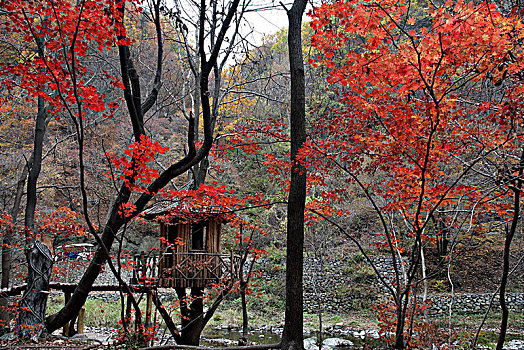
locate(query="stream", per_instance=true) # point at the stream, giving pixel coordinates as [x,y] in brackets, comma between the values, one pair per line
[343,339]
[225,337]
[218,337]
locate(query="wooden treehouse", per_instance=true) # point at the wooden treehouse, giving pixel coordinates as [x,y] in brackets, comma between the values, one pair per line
[190,250]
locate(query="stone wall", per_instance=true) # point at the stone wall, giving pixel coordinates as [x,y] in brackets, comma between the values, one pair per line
[331,285]
[327,284]
[472,303]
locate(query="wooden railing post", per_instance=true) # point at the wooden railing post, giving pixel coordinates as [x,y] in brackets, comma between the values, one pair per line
[231,274]
[134,277]
[143,272]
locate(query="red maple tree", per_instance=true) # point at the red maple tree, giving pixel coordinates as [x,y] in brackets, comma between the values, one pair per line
[429,107]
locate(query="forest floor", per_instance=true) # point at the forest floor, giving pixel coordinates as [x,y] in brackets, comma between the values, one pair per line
[224,328]
[266,324]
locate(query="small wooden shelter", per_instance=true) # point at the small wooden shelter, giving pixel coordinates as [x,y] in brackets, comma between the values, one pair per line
[190,248]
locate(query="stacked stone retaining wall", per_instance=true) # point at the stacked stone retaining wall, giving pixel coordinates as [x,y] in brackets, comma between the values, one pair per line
[472,303]
[324,287]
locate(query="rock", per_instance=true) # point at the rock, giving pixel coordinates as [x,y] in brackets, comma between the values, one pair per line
[277,330]
[337,342]
[338,325]
[359,334]
[515,344]
[373,334]
[223,341]
[8,336]
[79,336]
[310,344]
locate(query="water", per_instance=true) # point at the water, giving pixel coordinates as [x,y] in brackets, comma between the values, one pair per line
[230,337]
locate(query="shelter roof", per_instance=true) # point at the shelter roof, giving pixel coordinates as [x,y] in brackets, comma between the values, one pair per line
[182,211]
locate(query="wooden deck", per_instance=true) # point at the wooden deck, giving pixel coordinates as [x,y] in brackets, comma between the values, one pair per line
[170,270]
[184,270]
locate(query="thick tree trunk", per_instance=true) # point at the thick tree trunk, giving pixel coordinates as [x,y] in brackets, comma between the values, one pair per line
[200,173]
[399,331]
[292,337]
[33,305]
[34,171]
[5,315]
[192,311]
[34,301]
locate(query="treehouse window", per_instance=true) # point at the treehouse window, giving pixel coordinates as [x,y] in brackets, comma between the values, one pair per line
[199,236]
[171,233]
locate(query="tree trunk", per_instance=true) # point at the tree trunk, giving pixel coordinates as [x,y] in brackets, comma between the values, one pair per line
[34,301]
[33,305]
[292,337]
[245,319]
[516,185]
[192,311]
[402,304]
[5,315]
[34,171]
[200,173]
[166,317]
[399,332]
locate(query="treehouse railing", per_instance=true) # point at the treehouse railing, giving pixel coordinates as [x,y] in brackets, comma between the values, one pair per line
[192,269]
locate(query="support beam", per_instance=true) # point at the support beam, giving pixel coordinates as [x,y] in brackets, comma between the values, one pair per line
[81,320]
[65,332]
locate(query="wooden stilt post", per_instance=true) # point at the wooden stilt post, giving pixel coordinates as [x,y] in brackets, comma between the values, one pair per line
[65,331]
[149,306]
[80,324]
[128,311]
